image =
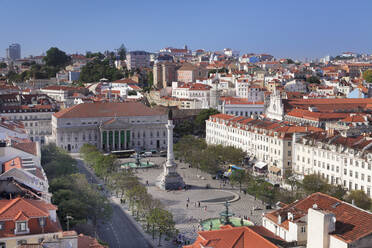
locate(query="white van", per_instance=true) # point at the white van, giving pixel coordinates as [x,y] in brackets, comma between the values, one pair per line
[147,154]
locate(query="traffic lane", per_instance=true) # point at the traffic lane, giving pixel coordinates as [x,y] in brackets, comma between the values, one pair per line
[119,231]
[128,236]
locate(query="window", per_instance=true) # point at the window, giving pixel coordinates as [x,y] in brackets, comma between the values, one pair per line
[303,229]
[42,221]
[21,226]
[21,242]
[2,225]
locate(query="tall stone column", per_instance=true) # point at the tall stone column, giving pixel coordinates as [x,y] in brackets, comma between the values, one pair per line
[107,141]
[125,139]
[170,179]
[119,145]
[113,140]
[101,139]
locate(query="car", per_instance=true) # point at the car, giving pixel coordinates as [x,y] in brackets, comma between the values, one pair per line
[147,154]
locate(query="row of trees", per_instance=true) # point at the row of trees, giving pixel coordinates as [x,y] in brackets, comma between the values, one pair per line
[128,188]
[71,191]
[210,159]
[196,126]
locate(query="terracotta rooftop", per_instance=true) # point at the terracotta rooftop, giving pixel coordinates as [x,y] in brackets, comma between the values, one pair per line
[29,147]
[107,109]
[231,237]
[27,209]
[10,164]
[88,242]
[352,223]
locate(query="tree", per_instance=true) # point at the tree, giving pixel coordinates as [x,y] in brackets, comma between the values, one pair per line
[162,221]
[122,52]
[56,162]
[238,176]
[3,65]
[367,75]
[290,61]
[56,58]
[199,123]
[97,55]
[360,199]
[314,183]
[313,80]
[97,69]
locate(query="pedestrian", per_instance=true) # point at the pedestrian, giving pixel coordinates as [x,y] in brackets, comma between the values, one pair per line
[205,208]
[147,182]
[199,204]
[195,204]
[251,211]
[187,205]
[188,199]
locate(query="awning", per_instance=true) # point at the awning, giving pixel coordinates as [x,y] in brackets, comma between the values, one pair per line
[260,165]
[274,169]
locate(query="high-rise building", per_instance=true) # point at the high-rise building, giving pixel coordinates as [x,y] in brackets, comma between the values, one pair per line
[138,59]
[13,52]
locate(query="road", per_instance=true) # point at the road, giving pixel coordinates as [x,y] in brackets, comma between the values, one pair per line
[119,231]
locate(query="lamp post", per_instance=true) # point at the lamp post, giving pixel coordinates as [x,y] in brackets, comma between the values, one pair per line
[68,217]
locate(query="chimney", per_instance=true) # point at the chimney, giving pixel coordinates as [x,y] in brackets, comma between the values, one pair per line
[320,224]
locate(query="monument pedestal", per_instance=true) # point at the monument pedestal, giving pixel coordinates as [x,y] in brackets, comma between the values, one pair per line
[170,179]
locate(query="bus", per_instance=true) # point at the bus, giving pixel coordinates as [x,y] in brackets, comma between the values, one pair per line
[231,169]
[123,153]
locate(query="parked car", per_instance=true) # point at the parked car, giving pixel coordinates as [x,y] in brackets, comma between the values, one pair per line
[147,154]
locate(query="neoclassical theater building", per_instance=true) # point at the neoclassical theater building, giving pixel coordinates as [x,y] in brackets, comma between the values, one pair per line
[110,126]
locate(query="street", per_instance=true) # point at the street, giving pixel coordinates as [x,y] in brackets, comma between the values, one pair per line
[119,231]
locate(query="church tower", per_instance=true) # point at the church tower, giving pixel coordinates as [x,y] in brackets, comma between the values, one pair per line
[274,109]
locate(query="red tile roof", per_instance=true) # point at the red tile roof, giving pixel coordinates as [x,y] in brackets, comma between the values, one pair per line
[29,147]
[231,237]
[88,242]
[352,223]
[13,163]
[26,209]
[125,81]
[107,109]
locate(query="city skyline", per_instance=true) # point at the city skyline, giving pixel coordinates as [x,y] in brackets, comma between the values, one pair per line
[283,29]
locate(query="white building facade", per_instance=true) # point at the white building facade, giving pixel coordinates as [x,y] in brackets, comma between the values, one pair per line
[340,160]
[109,126]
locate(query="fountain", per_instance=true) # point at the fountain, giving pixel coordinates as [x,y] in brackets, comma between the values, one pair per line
[226,218]
[137,164]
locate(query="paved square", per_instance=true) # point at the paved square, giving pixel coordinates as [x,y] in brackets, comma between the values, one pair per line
[187,214]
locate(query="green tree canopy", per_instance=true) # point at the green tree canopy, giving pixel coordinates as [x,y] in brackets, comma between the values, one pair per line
[314,183]
[360,199]
[313,80]
[199,123]
[56,58]
[3,65]
[97,69]
[367,75]
[122,52]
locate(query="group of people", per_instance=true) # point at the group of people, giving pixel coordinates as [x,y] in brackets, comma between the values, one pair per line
[196,204]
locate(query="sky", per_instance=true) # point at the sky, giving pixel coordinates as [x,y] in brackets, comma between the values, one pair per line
[284,28]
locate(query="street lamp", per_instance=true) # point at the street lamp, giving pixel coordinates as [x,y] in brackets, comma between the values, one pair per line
[68,217]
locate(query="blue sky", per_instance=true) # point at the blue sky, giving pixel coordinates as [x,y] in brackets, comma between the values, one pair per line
[284,28]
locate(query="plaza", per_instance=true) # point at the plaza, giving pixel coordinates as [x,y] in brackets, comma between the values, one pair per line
[210,194]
